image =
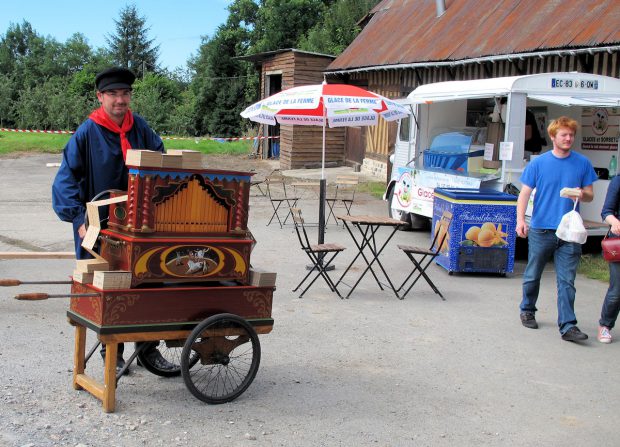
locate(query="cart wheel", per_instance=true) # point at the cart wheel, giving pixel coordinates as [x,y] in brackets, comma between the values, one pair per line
[229,354]
[171,351]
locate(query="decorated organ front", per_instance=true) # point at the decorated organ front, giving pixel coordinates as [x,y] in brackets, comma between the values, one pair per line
[181,225]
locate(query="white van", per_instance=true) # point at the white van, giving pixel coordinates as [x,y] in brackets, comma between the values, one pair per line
[449,141]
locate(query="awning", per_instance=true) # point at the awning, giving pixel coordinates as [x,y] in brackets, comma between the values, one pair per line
[565,89]
[589,101]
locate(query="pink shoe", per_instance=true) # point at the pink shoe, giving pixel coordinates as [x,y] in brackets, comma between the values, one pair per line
[604,336]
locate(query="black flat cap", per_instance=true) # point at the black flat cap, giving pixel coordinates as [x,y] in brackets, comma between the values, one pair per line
[114,78]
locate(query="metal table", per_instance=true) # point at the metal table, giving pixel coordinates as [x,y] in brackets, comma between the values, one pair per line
[368,247]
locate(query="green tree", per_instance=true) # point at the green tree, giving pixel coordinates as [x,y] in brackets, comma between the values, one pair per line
[181,119]
[31,108]
[47,84]
[281,23]
[130,46]
[219,82]
[15,45]
[6,100]
[338,27]
[219,85]
[28,57]
[154,97]
[75,53]
[66,110]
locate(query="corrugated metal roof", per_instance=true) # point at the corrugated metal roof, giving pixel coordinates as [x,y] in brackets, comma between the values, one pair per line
[408,31]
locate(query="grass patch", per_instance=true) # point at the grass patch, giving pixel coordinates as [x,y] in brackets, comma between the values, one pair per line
[51,143]
[594,267]
[211,147]
[32,142]
[375,189]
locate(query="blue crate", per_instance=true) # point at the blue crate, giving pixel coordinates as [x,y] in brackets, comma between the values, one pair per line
[449,160]
[444,160]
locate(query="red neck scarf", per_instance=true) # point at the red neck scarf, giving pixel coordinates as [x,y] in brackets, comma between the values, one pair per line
[100,117]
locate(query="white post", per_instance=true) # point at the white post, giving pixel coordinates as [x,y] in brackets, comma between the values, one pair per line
[323,186]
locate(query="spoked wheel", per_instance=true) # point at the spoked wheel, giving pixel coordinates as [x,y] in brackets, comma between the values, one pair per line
[228,353]
[170,350]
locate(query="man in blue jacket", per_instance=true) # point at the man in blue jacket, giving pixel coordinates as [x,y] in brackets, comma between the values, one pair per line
[94,162]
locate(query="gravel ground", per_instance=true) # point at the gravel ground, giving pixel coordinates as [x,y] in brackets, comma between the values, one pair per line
[368,371]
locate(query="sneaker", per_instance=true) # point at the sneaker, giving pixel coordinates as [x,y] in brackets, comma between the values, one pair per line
[604,336]
[529,320]
[574,334]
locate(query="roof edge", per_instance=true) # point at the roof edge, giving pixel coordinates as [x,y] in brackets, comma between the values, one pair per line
[478,60]
[256,57]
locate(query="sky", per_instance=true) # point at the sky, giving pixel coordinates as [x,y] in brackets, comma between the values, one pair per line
[176,26]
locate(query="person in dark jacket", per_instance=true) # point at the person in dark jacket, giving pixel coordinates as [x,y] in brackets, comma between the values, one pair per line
[534,142]
[611,304]
[94,158]
[93,162]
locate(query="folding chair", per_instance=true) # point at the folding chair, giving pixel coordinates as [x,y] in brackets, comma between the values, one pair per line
[439,239]
[306,189]
[256,182]
[276,191]
[321,255]
[346,186]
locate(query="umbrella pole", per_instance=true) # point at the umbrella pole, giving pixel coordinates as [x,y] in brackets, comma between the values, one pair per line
[323,186]
[322,194]
[322,191]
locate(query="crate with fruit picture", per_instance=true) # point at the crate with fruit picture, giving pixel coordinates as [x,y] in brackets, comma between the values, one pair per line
[482,235]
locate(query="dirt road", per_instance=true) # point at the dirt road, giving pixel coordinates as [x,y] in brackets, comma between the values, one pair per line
[368,371]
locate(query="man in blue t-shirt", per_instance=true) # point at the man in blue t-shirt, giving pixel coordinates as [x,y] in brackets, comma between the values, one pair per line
[549,173]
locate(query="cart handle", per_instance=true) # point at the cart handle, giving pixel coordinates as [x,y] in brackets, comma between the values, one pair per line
[17,282]
[44,296]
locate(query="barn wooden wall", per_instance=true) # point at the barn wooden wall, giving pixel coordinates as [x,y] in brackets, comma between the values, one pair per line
[301,146]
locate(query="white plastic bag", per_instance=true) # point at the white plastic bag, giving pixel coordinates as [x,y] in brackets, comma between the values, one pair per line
[571,227]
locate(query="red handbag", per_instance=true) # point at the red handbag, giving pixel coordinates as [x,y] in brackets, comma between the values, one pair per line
[611,248]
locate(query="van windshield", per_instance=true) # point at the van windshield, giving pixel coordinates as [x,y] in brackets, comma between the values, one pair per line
[403,134]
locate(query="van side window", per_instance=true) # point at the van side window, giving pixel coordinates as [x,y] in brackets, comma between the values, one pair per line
[403,134]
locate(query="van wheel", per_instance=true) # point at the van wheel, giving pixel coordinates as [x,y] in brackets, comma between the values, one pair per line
[397,214]
[419,222]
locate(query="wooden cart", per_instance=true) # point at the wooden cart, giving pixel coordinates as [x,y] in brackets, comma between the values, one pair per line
[183,236]
[209,332]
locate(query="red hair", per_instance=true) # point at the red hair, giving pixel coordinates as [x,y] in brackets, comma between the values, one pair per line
[563,121]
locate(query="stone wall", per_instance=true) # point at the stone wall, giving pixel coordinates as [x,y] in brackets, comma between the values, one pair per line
[375,168]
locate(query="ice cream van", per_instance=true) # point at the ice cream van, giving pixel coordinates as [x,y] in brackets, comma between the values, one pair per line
[477,134]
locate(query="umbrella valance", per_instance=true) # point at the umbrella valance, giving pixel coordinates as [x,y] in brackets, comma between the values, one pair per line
[310,105]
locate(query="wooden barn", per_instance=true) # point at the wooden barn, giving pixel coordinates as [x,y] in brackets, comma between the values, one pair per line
[298,146]
[407,43]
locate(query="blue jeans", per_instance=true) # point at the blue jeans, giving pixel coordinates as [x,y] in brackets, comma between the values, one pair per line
[543,245]
[611,305]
